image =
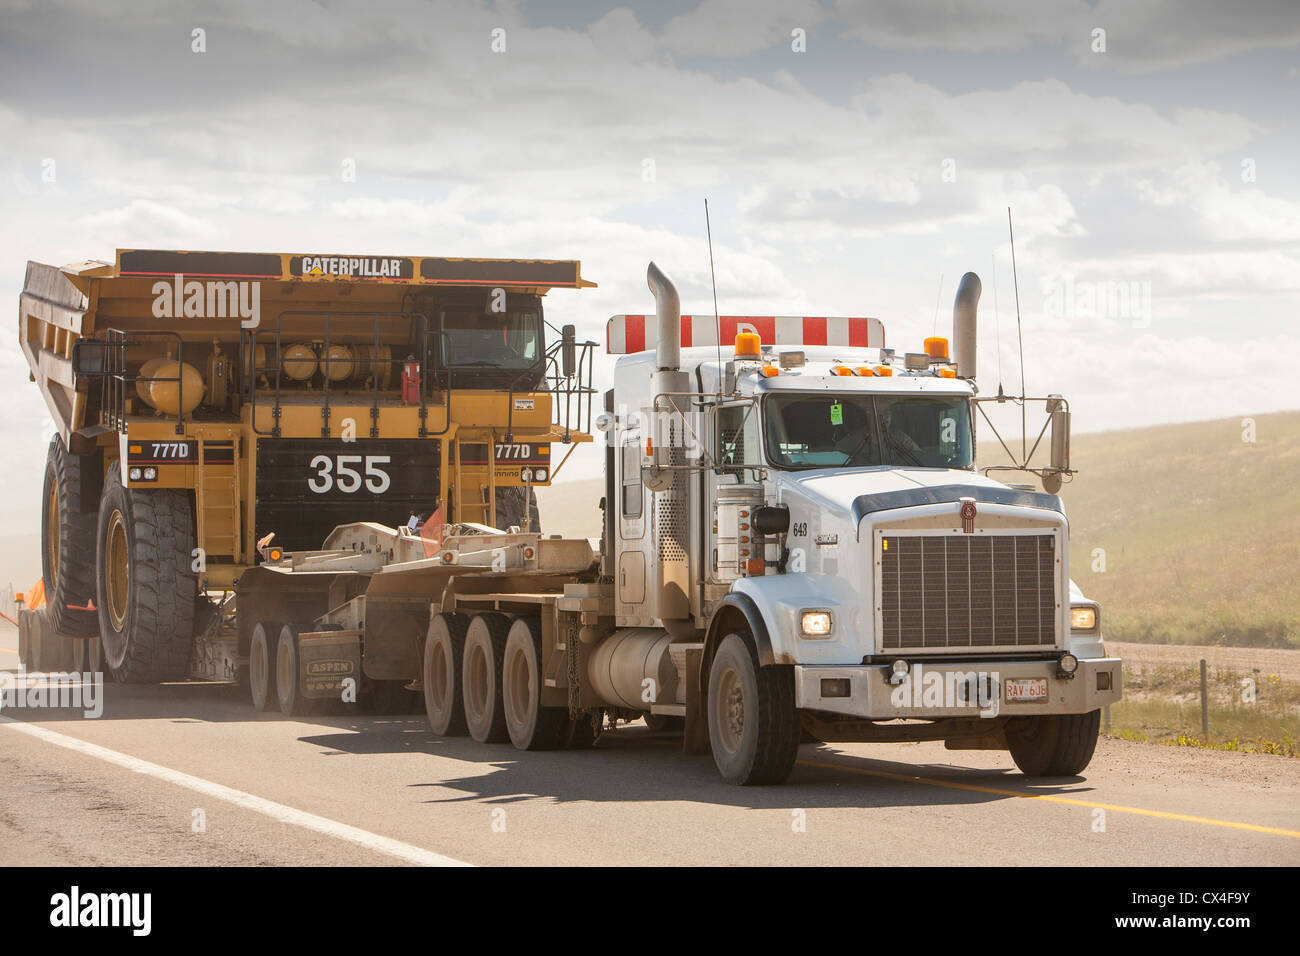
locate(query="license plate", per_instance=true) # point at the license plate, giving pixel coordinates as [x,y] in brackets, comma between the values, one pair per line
[1022,690]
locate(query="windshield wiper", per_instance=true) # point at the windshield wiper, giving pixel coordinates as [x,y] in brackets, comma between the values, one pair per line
[896,447]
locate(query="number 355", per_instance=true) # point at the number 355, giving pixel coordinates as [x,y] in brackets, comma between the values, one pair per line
[338,472]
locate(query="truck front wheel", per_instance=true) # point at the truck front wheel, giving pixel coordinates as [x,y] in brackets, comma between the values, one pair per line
[1053,745]
[145,588]
[753,724]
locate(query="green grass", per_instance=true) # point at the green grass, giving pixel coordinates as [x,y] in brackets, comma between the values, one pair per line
[1200,530]
[1162,705]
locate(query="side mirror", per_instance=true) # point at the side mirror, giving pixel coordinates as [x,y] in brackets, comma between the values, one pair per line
[568,351]
[772,519]
[88,358]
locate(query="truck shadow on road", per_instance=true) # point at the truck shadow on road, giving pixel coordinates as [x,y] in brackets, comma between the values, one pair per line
[631,763]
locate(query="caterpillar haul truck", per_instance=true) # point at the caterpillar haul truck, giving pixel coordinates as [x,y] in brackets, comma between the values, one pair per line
[214,408]
[797,541]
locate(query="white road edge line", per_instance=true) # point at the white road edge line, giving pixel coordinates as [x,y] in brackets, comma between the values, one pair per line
[276,811]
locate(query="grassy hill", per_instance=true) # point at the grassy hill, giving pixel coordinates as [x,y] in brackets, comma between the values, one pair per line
[1200,530]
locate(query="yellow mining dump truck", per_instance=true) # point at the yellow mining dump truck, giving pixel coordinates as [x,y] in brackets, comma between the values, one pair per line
[216,408]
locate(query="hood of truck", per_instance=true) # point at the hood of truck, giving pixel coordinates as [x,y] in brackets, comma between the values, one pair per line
[854,493]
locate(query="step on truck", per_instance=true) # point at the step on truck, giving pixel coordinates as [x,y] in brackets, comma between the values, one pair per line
[797,544]
[214,408]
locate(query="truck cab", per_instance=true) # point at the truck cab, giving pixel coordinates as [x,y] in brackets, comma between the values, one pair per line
[813,497]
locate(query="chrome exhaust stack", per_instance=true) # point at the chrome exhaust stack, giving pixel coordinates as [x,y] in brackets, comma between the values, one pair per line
[964,324]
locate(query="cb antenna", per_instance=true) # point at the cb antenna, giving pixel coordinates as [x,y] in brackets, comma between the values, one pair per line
[1024,440]
[717,322]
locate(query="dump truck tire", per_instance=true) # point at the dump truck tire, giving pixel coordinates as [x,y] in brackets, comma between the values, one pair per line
[144,586]
[531,726]
[444,656]
[753,723]
[1053,745]
[261,665]
[510,509]
[485,646]
[68,523]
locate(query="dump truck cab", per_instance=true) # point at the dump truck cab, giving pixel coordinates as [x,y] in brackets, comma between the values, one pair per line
[250,401]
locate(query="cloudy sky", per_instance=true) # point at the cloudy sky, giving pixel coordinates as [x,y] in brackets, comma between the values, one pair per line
[858,156]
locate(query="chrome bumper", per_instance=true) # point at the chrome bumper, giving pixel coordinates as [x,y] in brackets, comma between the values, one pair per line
[938,688]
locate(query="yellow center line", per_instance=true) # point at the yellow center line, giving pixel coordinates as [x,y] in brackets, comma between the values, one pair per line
[953,785]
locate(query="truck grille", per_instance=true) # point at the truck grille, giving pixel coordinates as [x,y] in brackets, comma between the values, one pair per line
[965,590]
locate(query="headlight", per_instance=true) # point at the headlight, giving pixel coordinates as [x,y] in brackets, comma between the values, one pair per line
[134,474]
[151,474]
[1083,617]
[539,474]
[815,623]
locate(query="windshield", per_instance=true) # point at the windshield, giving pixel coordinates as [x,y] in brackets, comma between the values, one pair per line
[828,430]
[490,339]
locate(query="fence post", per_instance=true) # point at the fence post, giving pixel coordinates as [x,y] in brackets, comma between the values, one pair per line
[1205,703]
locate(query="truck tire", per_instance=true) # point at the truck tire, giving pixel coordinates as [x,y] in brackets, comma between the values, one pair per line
[485,647]
[144,586]
[753,723]
[510,509]
[665,723]
[288,688]
[261,665]
[87,655]
[1057,745]
[68,522]
[444,656]
[531,726]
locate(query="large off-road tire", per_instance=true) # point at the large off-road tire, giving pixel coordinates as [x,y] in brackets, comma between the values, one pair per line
[288,686]
[145,588]
[510,509]
[753,723]
[68,517]
[531,726]
[1059,745]
[444,656]
[485,648]
[261,665]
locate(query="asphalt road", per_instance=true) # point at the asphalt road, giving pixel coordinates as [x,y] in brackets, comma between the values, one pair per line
[189,774]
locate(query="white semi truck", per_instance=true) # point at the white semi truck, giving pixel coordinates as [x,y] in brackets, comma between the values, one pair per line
[797,544]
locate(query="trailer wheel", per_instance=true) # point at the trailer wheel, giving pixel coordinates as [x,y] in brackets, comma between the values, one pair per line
[261,665]
[87,655]
[145,588]
[485,646]
[68,521]
[444,656]
[1053,745]
[665,723]
[753,723]
[531,726]
[288,688]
